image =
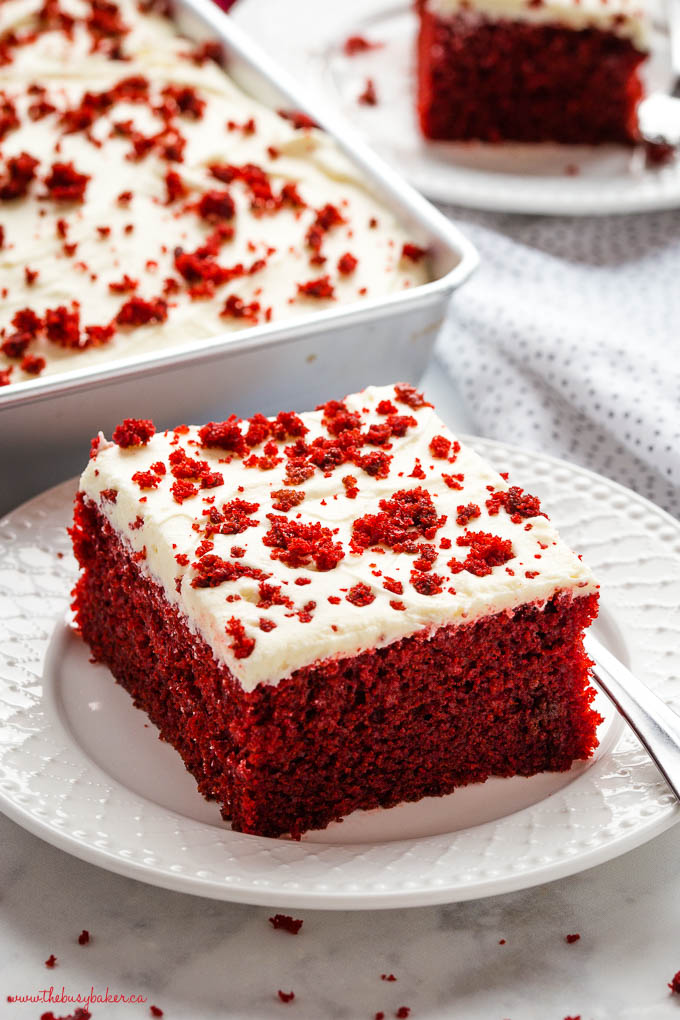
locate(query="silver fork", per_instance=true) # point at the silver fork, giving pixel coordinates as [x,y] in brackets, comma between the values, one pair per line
[655,724]
[659,113]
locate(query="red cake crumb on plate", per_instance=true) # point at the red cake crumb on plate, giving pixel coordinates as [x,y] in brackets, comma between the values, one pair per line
[261,633]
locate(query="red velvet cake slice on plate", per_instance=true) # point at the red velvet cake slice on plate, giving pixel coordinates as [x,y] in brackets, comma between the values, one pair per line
[338,610]
[531,70]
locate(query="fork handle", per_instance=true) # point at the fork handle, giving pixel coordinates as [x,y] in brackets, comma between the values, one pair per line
[655,724]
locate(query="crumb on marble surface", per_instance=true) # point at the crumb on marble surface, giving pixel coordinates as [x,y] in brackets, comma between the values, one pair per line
[285,922]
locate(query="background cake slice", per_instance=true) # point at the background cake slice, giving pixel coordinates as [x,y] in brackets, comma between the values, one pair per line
[531,70]
[338,610]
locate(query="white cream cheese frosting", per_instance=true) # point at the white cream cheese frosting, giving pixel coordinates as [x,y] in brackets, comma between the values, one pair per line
[629,19]
[120,241]
[374,594]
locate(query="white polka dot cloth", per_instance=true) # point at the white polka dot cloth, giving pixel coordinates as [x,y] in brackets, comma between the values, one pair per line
[567,340]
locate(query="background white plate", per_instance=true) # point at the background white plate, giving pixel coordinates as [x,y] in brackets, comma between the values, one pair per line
[80,767]
[511,178]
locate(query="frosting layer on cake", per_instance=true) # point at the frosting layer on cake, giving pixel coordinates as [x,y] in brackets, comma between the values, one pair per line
[291,540]
[139,182]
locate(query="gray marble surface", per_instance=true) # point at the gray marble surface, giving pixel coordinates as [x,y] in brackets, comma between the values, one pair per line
[202,960]
[198,959]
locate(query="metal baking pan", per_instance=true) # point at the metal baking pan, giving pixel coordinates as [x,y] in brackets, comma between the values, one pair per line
[46,424]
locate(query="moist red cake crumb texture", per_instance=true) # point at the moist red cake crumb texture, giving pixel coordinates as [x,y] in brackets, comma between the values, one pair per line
[418,718]
[497,80]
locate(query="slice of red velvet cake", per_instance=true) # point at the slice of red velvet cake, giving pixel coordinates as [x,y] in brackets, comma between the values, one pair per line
[338,610]
[531,70]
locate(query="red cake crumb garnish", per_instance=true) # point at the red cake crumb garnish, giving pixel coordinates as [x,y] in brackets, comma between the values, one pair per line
[215,206]
[376,463]
[413,252]
[360,595]
[486,551]
[572,938]
[358,44]
[440,447]
[405,515]
[298,119]
[386,407]
[212,571]
[182,490]
[390,584]
[242,646]
[407,394]
[155,1011]
[138,312]
[516,503]
[295,544]
[19,172]
[123,286]
[319,288]
[674,984]
[32,364]
[286,923]
[8,115]
[84,937]
[286,499]
[378,435]
[203,52]
[286,996]
[236,308]
[146,479]
[347,263]
[350,485]
[403,1012]
[427,584]
[234,518]
[51,961]
[62,325]
[225,435]
[369,96]
[387,977]
[467,513]
[98,335]
[134,432]
[175,187]
[65,184]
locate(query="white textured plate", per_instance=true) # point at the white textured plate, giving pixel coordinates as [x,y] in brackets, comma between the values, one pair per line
[552,179]
[80,767]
